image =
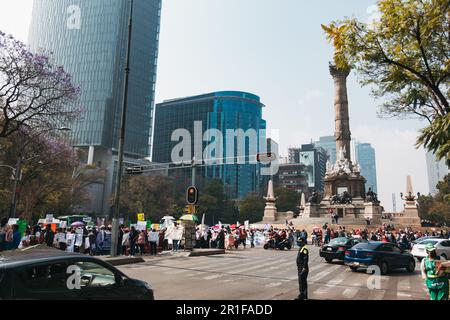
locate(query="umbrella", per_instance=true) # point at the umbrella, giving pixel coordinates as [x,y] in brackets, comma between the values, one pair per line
[233,226]
[168,218]
[189,217]
[77,224]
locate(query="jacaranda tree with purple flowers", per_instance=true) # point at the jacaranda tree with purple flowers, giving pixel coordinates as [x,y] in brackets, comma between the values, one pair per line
[34,93]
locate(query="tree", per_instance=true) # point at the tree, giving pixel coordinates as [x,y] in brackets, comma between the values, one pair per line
[214,202]
[34,93]
[437,208]
[251,208]
[405,57]
[151,195]
[287,200]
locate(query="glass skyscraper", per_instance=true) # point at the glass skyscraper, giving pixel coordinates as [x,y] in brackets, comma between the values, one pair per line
[365,155]
[329,144]
[228,110]
[89,39]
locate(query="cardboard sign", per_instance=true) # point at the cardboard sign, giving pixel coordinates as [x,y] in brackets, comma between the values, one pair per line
[141,225]
[141,217]
[12,221]
[49,218]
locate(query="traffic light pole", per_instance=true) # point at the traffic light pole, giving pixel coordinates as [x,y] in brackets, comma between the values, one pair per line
[193,182]
[115,222]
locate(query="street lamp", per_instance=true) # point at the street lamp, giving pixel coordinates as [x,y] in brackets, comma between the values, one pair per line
[18,170]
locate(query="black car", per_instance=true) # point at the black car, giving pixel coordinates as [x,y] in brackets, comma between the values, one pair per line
[336,248]
[387,256]
[43,273]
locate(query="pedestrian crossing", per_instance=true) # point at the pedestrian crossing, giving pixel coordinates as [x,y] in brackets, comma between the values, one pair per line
[277,271]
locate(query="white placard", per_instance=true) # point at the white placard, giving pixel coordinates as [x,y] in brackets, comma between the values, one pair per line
[49,218]
[141,225]
[247,225]
[12,221]
[63,224]
[87,219]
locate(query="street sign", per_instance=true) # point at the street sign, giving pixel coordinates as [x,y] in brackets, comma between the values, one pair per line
[266,157]
[134,170]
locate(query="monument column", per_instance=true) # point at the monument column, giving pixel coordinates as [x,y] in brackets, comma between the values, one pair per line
[342,122]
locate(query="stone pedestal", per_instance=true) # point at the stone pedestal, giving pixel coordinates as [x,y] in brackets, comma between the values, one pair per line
[410,214]
[270,212]
[311,210]
[372,211]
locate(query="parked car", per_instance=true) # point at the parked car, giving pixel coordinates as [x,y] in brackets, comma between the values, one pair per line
[387,256]
[425,238]
[42,273]
[337,247]
[442,248]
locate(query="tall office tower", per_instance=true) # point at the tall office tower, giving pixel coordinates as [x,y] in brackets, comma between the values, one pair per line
[200,117]
[329,144]
[89,39]
[365,155]
[436,170]
[315,159]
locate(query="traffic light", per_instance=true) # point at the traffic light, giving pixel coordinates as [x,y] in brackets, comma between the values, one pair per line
[192,195]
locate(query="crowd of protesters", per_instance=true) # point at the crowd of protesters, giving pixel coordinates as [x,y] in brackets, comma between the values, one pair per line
[95,240]
[386,233]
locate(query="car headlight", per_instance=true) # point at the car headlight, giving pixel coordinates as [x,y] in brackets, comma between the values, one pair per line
[147,286]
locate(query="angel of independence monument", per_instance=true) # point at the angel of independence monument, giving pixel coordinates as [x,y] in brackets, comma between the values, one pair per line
[344,192]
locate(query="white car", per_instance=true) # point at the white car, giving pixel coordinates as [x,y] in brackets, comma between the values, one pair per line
[442,248]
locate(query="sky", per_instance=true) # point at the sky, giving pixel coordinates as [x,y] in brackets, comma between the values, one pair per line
[277,50]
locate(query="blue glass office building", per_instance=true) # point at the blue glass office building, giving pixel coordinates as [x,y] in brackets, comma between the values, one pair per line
[365,154]
[227,110]
[89,39]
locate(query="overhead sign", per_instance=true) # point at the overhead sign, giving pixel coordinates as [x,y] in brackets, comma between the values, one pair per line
[266,157]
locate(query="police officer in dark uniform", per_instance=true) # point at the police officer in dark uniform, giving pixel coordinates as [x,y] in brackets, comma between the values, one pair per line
[302,269]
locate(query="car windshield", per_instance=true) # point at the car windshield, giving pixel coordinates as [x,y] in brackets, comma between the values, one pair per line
[428,241]
[338,241]
[366,246]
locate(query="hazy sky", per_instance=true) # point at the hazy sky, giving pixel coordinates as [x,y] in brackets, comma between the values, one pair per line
[277,50]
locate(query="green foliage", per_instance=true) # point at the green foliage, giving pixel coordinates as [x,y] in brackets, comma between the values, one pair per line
[251,208]
[405,58]
[437,208]
[287,200]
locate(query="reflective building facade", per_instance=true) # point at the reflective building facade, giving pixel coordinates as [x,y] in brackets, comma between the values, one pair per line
[227,110]
[89,39]
[365,155]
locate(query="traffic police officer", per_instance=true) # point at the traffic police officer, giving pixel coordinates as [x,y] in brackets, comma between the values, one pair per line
[302,269]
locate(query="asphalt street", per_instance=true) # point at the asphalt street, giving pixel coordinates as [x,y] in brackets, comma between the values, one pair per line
[258,274]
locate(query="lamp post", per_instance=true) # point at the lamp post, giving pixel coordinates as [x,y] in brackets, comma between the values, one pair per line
[115,222]
[18,170]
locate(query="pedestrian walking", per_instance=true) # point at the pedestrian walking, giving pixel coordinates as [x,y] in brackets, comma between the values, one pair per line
[435,279]
[302,270]
[134,234]
[141,242]
[153,238]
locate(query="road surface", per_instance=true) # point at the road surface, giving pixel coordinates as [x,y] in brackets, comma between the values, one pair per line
[257,274]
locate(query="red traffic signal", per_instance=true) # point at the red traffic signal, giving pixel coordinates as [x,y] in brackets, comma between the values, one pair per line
[192,195]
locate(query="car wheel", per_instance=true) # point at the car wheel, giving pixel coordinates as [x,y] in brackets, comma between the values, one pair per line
[328,260]
[354,269]
[266,246]
[411,266]
[384,268]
